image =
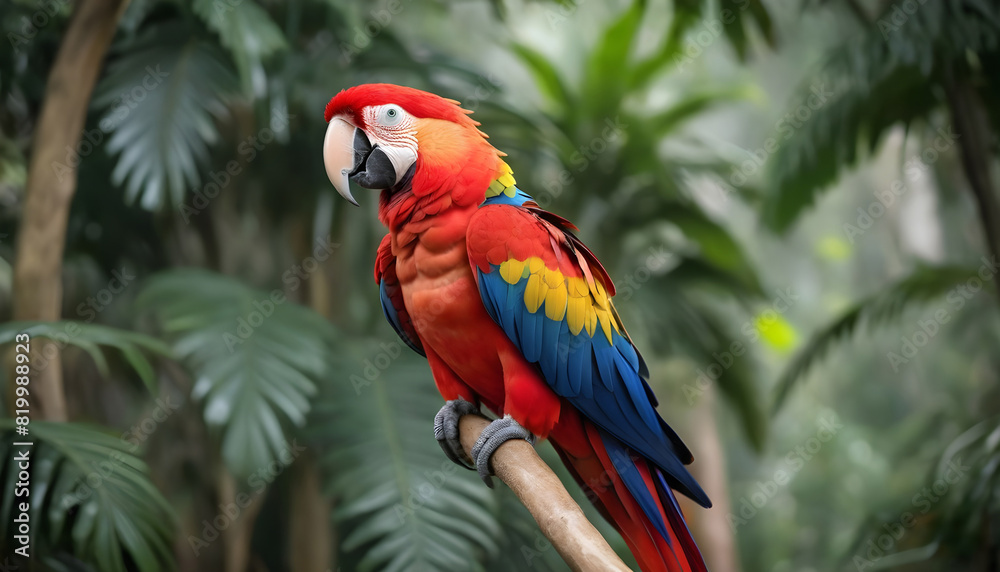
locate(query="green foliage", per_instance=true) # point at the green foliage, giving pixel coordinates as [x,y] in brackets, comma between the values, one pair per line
[256,358]
[160,100]
[879,309]
[735,16]
[893,74]
[401,504]
[89,496]
[522,545]
[961,493]
[639,193]
[249,34]
[90,338]
[974,457]
[682,324]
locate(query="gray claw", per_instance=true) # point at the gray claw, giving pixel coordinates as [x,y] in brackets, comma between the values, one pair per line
[496,433]
[446,430]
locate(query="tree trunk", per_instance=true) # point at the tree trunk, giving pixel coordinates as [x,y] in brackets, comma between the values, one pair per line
[310,532]
[715,535]
[51,183]
[974,143]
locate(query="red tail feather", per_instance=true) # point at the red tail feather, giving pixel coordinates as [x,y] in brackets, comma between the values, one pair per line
[606,489]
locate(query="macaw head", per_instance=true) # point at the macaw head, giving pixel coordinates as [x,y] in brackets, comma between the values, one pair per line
[384,136]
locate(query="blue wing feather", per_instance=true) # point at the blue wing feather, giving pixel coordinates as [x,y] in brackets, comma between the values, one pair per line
[392,316]
[603,380]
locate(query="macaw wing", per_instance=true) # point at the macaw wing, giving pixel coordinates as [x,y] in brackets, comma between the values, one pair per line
[552,298]
[391,296]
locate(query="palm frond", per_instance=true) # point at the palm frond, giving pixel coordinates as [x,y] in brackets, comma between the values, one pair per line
[90,338]
[88,495]
[402,505]
[870,84]
[246,30]
[256,358]
[522,546]
[547,77]
[608,59]
[921,286]
[968,471]
[677,325]
[735,18]
[159,101]
[713,242]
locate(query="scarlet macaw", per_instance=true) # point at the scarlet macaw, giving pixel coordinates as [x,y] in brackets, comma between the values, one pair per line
[511,310]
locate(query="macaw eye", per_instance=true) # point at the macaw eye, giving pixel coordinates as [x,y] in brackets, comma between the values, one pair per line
[391,115]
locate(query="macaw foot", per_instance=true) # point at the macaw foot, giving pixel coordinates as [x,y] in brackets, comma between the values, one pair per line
[446,430]
[496,433]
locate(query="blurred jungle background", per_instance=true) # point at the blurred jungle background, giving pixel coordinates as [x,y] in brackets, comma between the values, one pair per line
[797,199]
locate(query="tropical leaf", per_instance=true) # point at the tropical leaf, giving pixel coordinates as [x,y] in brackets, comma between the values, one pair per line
[736,382]
[522,546]
[968,471]
[609,59]
[547,77]
[246,30]
[256,358]
[733,19]
[159,102]
[923,285]
[401,504]
[971,463]
[90,338]
[713,241]
[691,105]
[88,494]
[678,325]
[870,84]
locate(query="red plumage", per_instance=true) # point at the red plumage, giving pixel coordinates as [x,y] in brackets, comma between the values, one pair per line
[439,237]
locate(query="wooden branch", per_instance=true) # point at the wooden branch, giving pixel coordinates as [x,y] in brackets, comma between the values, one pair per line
[558,516]
[51,185]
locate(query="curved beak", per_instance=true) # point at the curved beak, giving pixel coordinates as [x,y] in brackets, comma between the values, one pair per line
[350,156]
[338,156]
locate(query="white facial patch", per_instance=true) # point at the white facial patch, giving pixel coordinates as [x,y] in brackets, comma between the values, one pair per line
[394,131]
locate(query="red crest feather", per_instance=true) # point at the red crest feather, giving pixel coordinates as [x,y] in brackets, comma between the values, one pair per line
[416,102]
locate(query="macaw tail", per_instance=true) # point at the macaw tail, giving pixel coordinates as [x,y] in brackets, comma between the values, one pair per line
[634,496]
